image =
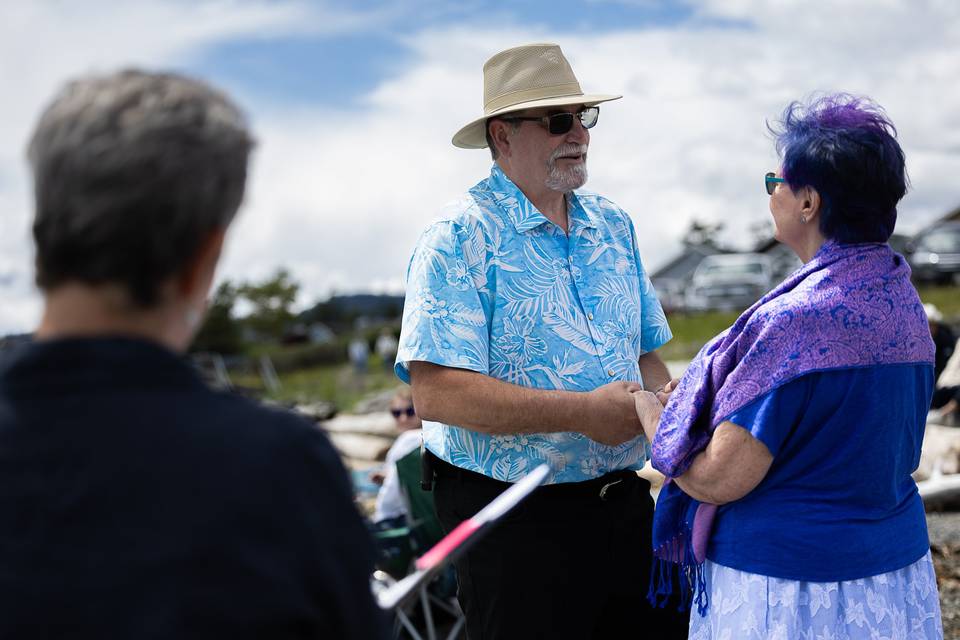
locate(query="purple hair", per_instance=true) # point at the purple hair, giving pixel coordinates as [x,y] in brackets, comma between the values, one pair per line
[845,148]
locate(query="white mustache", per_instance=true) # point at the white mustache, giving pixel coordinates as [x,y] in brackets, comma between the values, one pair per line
[568,150]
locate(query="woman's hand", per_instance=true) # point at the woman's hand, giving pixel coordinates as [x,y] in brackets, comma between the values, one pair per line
[649,407]
[663,393]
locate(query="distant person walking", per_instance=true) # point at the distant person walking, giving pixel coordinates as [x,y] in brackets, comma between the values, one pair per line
[386,348]
[135,502]
[359,353]
[790,439]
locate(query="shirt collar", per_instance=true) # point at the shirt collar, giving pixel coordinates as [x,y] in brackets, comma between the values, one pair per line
[523,213]
[578,216]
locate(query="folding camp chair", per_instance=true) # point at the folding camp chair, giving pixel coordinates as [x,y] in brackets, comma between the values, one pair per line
[419,617]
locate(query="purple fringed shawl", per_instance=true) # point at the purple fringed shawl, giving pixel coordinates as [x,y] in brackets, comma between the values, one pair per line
[850,306]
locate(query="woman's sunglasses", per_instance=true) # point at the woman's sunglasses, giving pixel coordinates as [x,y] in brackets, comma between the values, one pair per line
[409,412]
[770,181]
[558,124]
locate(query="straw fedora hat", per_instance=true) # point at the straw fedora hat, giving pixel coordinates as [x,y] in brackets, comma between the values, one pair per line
[532,75]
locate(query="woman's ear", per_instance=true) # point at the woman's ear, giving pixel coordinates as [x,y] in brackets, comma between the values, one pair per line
[809,203]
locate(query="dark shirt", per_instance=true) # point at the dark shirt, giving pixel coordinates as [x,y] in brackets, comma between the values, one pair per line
[945,343]
[135,502]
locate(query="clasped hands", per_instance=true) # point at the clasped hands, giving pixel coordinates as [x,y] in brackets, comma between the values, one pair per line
[623,410]
[649,405]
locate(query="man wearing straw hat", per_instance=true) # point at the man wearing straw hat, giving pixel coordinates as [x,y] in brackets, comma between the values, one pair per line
[529,319]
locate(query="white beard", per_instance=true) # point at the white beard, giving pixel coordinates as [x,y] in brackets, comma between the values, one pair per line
[567,180]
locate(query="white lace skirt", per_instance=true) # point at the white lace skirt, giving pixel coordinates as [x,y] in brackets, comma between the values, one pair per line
[902,604]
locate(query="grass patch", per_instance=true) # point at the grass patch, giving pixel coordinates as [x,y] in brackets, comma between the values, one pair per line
[692,330]
[947,299]
[338,384]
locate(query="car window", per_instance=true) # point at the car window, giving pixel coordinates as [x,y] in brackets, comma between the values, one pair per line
[941,241]
[749,268]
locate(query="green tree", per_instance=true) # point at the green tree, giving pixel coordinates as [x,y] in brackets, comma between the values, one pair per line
[271,301]
[702,233]
[220,331]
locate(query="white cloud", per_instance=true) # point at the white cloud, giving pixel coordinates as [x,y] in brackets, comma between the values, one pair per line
[42,44]
[340,196]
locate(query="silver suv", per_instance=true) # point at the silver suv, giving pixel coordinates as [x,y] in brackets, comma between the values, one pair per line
[934,255]
[729,281]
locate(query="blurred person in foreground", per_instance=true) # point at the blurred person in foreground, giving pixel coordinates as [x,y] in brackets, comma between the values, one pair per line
[790,439]
[135,502]
[528,320]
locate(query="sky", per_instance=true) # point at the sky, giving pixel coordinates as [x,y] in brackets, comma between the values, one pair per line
[353,104]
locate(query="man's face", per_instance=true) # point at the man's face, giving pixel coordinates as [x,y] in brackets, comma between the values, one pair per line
[557,161]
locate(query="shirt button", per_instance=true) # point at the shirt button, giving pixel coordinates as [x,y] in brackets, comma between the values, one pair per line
[610,372]
[570,259]
[589,316]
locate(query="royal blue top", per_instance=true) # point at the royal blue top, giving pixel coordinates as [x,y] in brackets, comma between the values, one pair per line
[838,502]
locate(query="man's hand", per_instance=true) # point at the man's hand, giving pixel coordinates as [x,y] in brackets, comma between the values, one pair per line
[613,418]
[648,408]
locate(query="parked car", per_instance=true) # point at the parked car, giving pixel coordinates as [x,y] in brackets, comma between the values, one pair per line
[934,254]
[729,281]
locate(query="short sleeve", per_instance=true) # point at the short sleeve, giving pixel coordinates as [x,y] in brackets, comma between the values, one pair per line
[444,320]
[772,417]
[654,330]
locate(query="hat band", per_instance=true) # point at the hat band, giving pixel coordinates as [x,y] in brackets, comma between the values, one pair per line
[529,95]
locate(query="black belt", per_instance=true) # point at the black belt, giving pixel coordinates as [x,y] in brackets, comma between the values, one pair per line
[604,488]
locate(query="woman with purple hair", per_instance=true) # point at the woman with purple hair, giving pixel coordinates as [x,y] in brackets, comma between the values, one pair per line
[788,443]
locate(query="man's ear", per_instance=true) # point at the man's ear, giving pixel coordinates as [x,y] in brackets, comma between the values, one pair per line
[197,278]
[500,134]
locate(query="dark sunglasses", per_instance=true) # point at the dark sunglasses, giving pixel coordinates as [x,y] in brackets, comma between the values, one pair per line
[770,181]
[558,124]
[409,412]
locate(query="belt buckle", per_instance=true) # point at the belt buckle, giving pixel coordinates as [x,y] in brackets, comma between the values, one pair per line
[606,487]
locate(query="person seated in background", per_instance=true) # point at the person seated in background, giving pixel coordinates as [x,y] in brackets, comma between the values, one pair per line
[390,506]
[943,338]
[945,403]
[136,502]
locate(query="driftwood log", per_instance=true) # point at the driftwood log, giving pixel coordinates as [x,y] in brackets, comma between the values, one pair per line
[940,452]
[361,446]
[940,493]
[939,470]
[365,437]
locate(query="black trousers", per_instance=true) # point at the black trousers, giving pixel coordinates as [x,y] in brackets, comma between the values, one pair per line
[571,561]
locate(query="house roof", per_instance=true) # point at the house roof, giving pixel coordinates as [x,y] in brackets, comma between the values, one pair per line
[952,216]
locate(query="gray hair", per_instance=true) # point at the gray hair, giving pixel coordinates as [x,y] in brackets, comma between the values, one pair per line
[132,173]
[514,127]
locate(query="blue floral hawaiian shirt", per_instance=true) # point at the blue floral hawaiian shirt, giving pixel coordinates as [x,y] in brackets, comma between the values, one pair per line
[495,287]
